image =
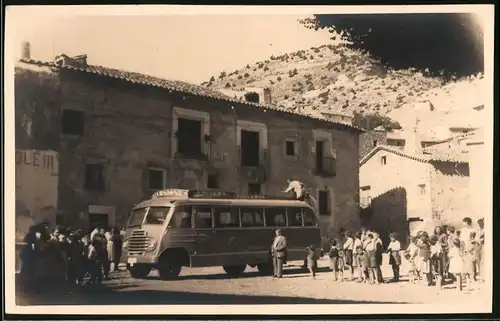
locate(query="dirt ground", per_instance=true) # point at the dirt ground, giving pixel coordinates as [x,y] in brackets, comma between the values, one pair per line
[212,286]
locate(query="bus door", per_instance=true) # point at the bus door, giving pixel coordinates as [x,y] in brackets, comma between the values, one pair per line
[205,249]
[227,239]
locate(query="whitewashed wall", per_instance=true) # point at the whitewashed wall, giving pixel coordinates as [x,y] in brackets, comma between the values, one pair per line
[37,176]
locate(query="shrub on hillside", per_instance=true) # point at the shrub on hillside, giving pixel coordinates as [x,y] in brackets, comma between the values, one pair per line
[371,121]
[228,85]
[246,75]
[278,79]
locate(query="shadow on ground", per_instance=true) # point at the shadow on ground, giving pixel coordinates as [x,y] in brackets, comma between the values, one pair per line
[131,295]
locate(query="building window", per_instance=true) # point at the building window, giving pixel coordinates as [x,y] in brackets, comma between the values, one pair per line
[94,177]
[250,148]
[290,148]
[72,122]
[422,189]
[323,206]
[253,189]
[212,181]
[383,160]
[375,143]
[157,178]
[189,137]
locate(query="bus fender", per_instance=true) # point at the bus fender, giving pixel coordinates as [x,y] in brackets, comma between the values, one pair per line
[179,254]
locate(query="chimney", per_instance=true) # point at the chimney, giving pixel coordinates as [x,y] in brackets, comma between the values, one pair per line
[267,96]
[76,61]
[25,50]
[80,60]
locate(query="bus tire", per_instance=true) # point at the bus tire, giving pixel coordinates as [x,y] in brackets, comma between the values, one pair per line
[234,270]
[169,270]
[171,262]
[265,268]
[139,271]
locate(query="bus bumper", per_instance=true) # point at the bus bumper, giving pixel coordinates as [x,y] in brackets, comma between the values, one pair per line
[133,260]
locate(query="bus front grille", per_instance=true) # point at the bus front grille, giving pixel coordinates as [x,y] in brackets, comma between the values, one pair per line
[138,242]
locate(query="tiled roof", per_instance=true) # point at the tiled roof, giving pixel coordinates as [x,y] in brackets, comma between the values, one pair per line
[434,157]
[176,85]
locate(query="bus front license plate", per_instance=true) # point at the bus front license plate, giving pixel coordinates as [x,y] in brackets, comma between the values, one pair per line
[132,260]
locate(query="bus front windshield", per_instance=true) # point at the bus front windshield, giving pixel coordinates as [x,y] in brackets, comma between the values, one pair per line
[155,215]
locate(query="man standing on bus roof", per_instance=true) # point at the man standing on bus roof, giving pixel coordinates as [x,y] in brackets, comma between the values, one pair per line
[278,251]
[297,188]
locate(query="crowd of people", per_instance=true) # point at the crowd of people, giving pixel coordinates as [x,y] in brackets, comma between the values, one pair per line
[78,257]
[447,255]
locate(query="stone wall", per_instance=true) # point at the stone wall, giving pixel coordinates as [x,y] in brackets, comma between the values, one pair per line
[367,139]
[129,128]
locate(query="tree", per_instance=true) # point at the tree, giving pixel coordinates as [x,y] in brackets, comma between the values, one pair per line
[371,121]
[447,44]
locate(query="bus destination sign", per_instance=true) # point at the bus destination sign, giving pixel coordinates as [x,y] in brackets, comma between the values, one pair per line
[174,193]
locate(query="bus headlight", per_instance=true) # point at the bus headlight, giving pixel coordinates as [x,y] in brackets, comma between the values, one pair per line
[151,244]
[125,244]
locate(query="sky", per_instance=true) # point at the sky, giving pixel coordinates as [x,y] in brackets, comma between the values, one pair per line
[183,47]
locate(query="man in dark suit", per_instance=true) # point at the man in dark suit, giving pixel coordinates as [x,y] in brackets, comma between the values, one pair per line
[278,251]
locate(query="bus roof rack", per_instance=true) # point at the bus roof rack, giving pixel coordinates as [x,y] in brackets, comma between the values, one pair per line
[264,197]
[214,194]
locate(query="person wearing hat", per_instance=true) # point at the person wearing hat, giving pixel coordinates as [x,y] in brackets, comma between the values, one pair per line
[279,253]
[394,257]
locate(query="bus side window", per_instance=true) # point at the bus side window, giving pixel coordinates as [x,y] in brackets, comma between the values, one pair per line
[251,217]
[275,216]
[181,217]
[226,217]
[202,216]
[309,217]
[294,216]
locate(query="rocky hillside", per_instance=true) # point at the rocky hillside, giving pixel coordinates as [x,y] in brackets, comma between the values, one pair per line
[330,78]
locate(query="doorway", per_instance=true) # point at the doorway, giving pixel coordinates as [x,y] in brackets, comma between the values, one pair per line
[323,203]
[319,154]
[95,220]
[250,148]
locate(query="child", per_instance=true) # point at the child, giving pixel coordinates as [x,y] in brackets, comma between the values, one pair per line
[333,254]
[411,254]
[340,261]
[456,263]
[469,260]
[424,257]
[436,261]
[95,268]
[312,260]
[379,251]
[450,232]
[394,256]
[358,255]
[372,259]
[348,251]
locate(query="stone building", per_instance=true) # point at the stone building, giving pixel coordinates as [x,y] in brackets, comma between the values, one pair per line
[120,136]
[405,192]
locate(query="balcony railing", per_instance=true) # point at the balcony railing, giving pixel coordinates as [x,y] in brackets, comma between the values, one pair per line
[326,166]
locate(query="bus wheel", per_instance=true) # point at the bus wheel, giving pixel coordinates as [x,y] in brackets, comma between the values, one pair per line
[169,270]
[139,271]
[234,270]
[265,268]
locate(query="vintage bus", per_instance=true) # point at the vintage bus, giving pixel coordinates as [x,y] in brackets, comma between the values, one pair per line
[186,228]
